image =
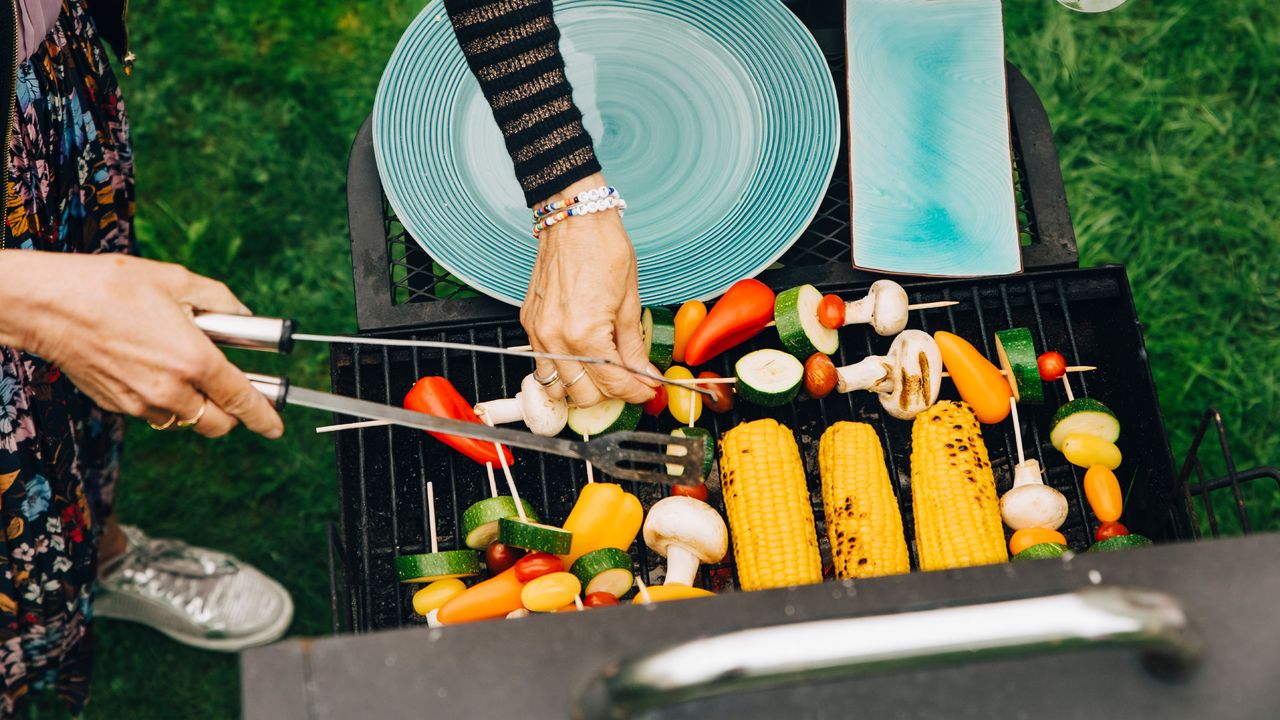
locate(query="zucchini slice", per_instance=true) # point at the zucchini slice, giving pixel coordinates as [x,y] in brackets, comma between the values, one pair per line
[480,521]
[534,536]
[604,417]
[658,325]
[709,459]
[429,567]
[769,377]
[604,570]
[1017,353]
[1084,416]
[796,313]
[1120,542]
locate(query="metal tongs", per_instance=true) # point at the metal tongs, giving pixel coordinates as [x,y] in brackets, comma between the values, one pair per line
[640,456]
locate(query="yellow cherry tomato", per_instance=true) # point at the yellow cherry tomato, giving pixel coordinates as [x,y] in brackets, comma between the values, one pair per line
[688,318]
[1027,537]
[436,594]
[1088,450]
[666,593]
[550,592]
[685,405]
[1103,491]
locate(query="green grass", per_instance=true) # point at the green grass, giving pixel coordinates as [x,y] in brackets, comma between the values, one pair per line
[242,112]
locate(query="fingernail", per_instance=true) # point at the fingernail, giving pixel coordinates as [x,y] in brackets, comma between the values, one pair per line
[275,433]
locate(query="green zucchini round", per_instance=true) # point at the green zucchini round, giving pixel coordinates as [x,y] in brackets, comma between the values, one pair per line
[429,567]
[1017,353]
[534,536]
[795,312]
[480,521]
[658,325]
[604,570]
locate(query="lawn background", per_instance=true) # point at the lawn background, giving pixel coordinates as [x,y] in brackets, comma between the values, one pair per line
[243,110]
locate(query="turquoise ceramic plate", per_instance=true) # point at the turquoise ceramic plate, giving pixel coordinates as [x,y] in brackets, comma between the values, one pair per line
[716,120]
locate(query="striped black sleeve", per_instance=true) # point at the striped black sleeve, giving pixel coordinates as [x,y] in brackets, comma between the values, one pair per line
[512,47]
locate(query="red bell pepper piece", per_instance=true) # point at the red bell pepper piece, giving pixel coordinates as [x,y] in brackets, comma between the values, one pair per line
[741,314]
[437,396]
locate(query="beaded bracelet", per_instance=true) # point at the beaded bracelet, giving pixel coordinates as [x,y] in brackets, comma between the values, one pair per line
[601,193]
[586,208]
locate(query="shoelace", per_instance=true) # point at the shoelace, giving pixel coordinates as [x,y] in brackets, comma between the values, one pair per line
[171,557]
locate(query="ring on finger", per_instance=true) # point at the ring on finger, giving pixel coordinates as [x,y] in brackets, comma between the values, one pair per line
[195,418]
[548,381]
[168,424]
[575,379]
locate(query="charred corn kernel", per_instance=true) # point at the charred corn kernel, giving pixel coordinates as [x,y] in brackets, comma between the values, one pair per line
[1028,537]
[864,524]
[770,515]
[953,493]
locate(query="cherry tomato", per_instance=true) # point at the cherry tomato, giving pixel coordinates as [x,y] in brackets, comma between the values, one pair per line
[659,402]
[723,400]
[831,312]
[498,557]
[697,492]
[1109,530]
[1052,366]
[537,564]
[599,599]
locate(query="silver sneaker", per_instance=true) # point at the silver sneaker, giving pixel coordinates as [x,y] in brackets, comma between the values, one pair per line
[199,597]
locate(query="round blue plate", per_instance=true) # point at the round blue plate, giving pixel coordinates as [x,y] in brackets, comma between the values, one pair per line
[715,119]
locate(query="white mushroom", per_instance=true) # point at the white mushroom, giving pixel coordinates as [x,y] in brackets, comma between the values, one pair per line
[908,378]
[532,405]
[687,532]
[433,619]
[884,308]
[1031,503]
[518,613]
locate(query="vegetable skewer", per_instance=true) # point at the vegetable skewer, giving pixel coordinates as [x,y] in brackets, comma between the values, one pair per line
[1030,503]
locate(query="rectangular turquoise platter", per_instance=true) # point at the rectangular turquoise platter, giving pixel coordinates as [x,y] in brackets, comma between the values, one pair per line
[930,161]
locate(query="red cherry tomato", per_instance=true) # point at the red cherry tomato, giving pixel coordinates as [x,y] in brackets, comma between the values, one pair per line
[831,312]
[499,558]
[1052,366]
[723,400]
[697,492]
[537,564]
[1109,530]
[599,599]
[659,402]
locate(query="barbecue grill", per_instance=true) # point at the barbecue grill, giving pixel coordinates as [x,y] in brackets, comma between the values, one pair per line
[1088,314]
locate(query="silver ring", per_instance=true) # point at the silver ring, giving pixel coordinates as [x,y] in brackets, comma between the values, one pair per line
[575,379]
[549,381]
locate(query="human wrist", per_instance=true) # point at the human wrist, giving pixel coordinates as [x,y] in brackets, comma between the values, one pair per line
[23,287]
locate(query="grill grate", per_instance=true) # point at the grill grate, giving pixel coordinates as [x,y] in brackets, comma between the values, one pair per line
[1086,314]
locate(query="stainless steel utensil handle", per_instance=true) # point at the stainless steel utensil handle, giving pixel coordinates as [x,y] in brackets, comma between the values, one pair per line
[275,389]
[1151,622]
[248,332]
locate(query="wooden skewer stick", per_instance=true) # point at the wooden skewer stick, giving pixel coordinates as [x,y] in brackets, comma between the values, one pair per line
[577,600]
[1073,368]
[916,306]
[591,471]
[644,591]
[1017,429]
[493,484]
[511,485]
[1067,384]
[351,426]
[431,514]
[692,399]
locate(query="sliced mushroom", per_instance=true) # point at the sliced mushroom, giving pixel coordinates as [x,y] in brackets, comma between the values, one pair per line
[539,411]
[908,379]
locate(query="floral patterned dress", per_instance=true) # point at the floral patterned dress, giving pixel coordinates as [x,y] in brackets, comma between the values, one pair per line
[70,185]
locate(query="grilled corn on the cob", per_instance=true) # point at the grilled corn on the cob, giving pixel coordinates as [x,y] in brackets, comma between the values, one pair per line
[953,493]
[770,516]
[863,521]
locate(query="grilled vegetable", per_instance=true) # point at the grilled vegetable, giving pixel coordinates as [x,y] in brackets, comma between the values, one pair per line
[864,524]
[1017,353]
[498,557]
[1108,530]
[550,592]
[534,536]
[600,599]
[605,516]
[1087,450]
[1120,542]
[657,403]
[685,405]
[697,492]
[770,516]
[1052,366]
[668,593]
[819,376]
[979,382]
[658,326]
[686,532]
[907,379]
[953,492]
[480,521]
[1031,503]
[491,599]
[741,314]
[722,402]
[1043,551]
[831,312]
[688,318]
[768,377]
[884,307]
[1103,492]
[537,564]
[541,413]
[709,452]
[428,567]
[604,417]
[796,313]
[436,594]
[1030,537]
[607,570]
[1083,416]
[437,396]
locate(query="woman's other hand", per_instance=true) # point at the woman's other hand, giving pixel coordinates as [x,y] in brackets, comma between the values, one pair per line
[120,328]
[584,299]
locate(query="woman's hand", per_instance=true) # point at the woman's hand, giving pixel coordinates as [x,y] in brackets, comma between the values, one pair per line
[584,299]
[121,329]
